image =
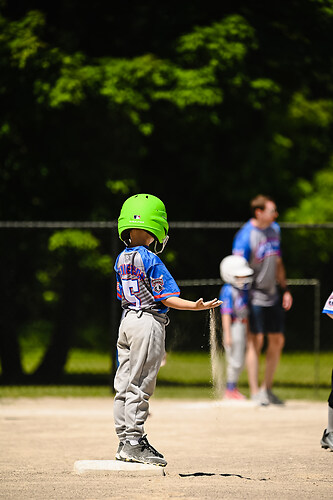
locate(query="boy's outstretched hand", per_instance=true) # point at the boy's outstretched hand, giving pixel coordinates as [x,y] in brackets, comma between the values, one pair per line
[190,305]
[210,304]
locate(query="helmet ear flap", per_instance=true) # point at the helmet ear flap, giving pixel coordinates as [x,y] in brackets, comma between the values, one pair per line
[164,242]
[126,237]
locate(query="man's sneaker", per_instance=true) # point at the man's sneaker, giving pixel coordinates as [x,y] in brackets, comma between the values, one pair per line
[327,440]
[120,447]
[233,394]
[142,452]
[260,398]
[273,399]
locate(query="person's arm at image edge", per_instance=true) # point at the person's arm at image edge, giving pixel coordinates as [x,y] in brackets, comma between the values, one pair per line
[287,299]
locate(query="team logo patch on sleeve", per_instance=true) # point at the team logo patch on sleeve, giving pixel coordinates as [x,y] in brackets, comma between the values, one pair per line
[157,284]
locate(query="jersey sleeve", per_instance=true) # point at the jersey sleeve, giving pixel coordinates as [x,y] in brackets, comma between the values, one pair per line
[119,287]
[241,243]
[162,283]
[118,281]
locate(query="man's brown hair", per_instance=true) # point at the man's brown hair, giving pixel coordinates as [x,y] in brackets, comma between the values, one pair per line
[259,202]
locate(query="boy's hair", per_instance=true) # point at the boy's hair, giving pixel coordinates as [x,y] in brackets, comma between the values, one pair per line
[259,202]
[126,235]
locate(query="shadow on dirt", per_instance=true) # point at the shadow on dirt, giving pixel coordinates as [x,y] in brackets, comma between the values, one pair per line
[200,474]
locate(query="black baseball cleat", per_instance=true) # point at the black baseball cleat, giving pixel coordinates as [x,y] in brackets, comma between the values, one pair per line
[143,452]
[327,440]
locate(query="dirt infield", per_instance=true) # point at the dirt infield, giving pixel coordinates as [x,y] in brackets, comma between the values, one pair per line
[214,450]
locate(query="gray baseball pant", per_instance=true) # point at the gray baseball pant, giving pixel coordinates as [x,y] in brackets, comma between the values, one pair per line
[235,354]
[141,347]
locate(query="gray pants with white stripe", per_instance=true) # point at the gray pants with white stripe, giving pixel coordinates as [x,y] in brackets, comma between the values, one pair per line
[141,347]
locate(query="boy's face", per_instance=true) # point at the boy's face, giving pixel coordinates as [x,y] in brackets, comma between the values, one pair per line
[243,282]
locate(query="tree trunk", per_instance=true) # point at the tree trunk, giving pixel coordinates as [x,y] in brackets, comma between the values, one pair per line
[52,366]
[10,357]
[9,346]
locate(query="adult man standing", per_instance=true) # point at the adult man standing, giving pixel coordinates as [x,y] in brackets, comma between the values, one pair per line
[259,242]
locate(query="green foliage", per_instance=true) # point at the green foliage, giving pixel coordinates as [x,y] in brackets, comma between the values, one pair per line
[317,112]
[326,6]
[123,186]
[133,84]
[21,38]
[222,45]
[73,238]
[190,87]
[315,205]
[217,67]
[73,82]
[83,242]
[263,91]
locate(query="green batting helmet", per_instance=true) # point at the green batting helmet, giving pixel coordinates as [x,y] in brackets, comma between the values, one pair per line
[143,211]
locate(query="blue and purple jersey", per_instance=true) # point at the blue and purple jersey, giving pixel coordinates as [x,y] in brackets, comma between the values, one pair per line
[235,302]
[143,281]
[260,247]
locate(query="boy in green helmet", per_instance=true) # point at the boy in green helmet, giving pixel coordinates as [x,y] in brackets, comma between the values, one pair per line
[146,290]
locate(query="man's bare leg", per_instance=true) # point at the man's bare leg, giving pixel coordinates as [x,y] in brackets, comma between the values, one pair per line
[275,343]
[254,347]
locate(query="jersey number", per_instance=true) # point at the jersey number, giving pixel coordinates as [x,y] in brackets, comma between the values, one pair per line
[130,287]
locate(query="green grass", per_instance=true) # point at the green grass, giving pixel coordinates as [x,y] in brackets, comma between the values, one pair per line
[185,375]
[79,361]
[60,391]
[300,375]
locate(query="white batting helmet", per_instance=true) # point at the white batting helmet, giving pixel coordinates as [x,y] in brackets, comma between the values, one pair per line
[235,270]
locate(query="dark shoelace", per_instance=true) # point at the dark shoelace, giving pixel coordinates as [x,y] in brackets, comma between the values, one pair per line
[145,444]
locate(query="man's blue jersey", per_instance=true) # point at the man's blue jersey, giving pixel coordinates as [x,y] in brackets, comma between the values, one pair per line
[258,244]
[143,280]
[235,302]
[260,247]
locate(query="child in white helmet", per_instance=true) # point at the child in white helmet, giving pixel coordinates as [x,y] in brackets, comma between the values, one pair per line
[237,275]
[146,290]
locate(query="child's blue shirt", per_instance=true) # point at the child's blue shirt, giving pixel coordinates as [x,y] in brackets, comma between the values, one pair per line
[143,281]
[235,302]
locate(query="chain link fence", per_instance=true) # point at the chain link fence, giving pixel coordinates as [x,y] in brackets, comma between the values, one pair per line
[60,314]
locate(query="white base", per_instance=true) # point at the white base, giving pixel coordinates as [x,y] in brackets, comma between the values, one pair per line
[118,467]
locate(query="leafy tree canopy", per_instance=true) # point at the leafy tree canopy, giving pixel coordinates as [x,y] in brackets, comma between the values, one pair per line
[242,92]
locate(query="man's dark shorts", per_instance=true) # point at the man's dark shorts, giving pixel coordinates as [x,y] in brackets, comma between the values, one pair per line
[267,319]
